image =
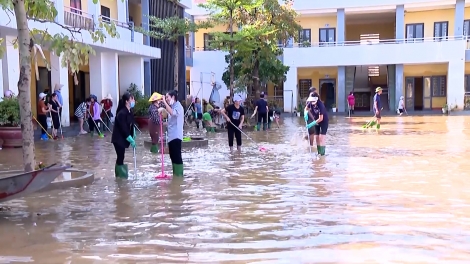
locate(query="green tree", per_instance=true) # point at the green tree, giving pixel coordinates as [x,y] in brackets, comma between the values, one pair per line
[67,45]
[227,13]
[172,29]
[279,22]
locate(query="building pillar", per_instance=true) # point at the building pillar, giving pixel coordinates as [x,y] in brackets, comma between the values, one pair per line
[11,65]
[60,75]
[459,18]
[122,11]
[131,70]
[455,84]
[341,86]
[398,82]
[94,10]
[400,23]
[340,27]
[290,90]
[145,19]
[59,6]
[104,76]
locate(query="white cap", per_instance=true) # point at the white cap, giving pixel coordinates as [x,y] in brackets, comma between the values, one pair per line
[42,95]
[237,98]
[312,99]
[7,93]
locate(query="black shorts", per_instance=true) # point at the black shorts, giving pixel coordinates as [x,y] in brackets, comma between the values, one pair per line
[400,111]
[377,115]
[319,129]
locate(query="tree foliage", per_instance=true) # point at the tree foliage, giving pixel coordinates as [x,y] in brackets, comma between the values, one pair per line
[67,45]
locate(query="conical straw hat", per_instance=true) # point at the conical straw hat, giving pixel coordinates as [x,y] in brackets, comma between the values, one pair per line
[155,97]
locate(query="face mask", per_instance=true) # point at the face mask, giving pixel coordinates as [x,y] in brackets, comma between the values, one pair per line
[172,101]
[132,104]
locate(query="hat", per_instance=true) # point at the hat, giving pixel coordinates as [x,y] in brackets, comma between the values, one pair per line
[237,98]
[378,89]
[108,97]
[58,86]
[312,99]
[8,93]
[401,97]
[42,95]
[155,97]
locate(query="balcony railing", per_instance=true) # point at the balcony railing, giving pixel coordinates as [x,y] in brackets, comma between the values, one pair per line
[77,18]
[125,25]
[358,43]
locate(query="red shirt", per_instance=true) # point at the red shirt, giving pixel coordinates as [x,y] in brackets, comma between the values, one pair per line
[107,104]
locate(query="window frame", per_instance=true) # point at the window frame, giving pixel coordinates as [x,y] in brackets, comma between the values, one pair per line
[302,34]
[325,43]
[104,17]
[440,80]
[414,38]
[439,38]
[300,87]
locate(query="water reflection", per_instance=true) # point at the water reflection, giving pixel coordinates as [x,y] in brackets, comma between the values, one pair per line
[396,196]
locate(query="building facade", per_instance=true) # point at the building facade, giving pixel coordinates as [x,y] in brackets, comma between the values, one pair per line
[412,48]
[118,62]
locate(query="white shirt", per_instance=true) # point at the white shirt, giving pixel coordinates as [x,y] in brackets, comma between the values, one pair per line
[401,104]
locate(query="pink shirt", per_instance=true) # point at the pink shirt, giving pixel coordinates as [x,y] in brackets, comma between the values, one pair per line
[351,99]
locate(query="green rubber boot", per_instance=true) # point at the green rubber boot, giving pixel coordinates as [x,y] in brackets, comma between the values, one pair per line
[323,150]
[154,149]
[318,149]
[264,126]
[378,126]
[258,126]
[213,129]
[121,171]
[178,170]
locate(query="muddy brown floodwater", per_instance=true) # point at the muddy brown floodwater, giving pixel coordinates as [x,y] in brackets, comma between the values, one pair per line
[401,195]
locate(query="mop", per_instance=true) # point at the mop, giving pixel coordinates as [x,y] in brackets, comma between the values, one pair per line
[96,126]
[42,127]
[162,175]
[262,149]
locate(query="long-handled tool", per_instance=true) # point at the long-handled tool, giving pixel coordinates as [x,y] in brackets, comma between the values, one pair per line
[96,125]
[60,126]
[137,129]
[308,137]
[52,125]
[162,175]
[262,149]
[107,116]
[102,121]
[42,127]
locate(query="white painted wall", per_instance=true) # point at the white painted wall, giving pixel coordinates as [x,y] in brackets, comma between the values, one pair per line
[206,62]
[104,76]
[11,65]
[60,75]
[131,70]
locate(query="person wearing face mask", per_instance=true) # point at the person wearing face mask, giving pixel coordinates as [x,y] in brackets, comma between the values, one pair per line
[235,116]
[55,106]
[57,91]
[175,130]
[42,115]
[123,133]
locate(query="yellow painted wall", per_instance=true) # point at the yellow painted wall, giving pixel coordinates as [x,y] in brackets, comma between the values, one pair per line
[386,30]
[135,11]
[315,74]
[112,5]
[424,71]
[429,17]
[467,13]
[467,67]
[83,2]
[315,23]
[199,36]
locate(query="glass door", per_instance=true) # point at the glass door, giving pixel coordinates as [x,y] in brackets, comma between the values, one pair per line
[409,93]
[427,98]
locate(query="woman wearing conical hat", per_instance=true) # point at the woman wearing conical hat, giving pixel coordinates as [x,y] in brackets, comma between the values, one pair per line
[154,120]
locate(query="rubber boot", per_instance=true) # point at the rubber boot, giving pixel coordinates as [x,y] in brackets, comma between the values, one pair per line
[121,171]
[264,126]
[91,133]
[322,150]
[258,126]
[318,149]
[178,170]
[154,148]
[212,129]
[269,125]
[378,126]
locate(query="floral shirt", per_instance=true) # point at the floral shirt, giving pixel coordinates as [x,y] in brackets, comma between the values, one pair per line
[153,113]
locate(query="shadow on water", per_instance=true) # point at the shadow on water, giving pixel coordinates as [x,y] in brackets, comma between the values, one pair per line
[398,195]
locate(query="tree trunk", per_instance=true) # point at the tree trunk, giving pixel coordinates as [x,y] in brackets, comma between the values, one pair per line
[175,74]
[231,51]
[25,45]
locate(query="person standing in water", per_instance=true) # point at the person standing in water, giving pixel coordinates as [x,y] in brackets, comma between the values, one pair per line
[154,120]
[123,133]
[377,106]
[95,118]
[351,102]
[55,111]
[42,115]
[175,130]
[235,116]
[401,106]
[318,127]
[261,106]
[81,113]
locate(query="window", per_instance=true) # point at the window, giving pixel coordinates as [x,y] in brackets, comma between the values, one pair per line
[207,41]
[105,14]
[304,86]
[414,32]
[467,84]
[76,6]
[439,86]
[466,28]
[279,90]
[441,30]
[305,36]
[327,35]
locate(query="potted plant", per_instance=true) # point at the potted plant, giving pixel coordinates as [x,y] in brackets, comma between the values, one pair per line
[445,109]
[333,107]
[300,109]
[140,111]
[10,130]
